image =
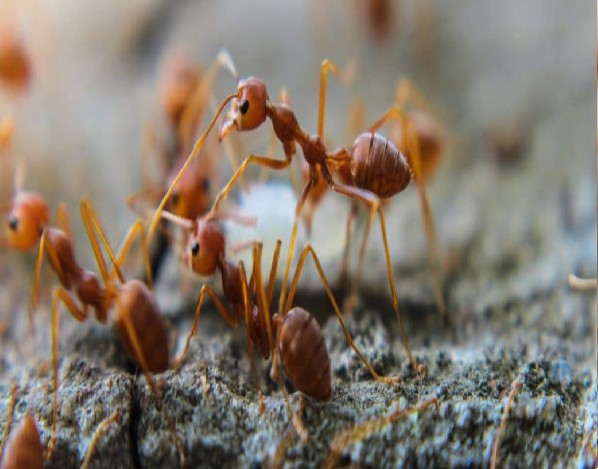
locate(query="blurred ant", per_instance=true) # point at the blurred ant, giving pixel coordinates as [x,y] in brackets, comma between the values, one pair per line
[420,138]
[289,336]
[378,169]
[24,448]
[364,430]
[138,320]
[15,62]
[28,212]
[184,94]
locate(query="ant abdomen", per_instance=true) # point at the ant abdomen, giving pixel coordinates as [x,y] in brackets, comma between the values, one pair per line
[136,304]
[378,166]
[24,448]
[304,354]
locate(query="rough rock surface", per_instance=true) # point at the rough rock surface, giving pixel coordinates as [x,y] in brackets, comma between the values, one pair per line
[511,229]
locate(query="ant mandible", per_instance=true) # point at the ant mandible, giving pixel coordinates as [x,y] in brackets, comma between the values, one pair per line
[24,447]
[377,167]
[138,320]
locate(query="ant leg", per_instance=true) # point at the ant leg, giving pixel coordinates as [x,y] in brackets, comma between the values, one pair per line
[413,145]
[262,300]
[326,67]
[91,222]
[227,315]
[9,417]
[134,340]
[363,430]
[308,186]
[255,159]
[94,440]
[348,234]
[374,204]
[250,344]
[281,450]
[192,114]
[63,220]
[308,249]
[44,246]
[515,388]
[272,278]
[136,230]
[582,284]
[190,159]
[407,91]
[59,295]
[296,420]
[7,129]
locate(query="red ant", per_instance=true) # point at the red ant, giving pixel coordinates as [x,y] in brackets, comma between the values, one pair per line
[287,337]
[24,447]
[378,169]
[28,212]
[138,321]
[15,63]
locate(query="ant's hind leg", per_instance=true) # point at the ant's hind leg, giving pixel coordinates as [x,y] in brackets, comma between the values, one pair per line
[309,250]
[374,205]
[96,436]
[363,430]
[9,417]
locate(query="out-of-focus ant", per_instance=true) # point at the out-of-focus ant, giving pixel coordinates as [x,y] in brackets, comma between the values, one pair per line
[138,320]
[24,449]
[378,169]
[15,62]
[289,336]
[184,93]
[28,212]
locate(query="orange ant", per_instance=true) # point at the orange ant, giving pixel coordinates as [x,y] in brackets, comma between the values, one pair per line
[287,337]
[24,447]
[378,169]
[15,63]
[138,321]
[28,212]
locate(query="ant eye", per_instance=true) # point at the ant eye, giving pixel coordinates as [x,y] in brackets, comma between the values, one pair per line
[205,184]
[13,222]
[195,248]
[174,198]
[244,107]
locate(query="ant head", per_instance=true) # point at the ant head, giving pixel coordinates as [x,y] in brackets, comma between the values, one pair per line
[248,109]
[26,221]
[205,248]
